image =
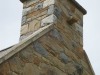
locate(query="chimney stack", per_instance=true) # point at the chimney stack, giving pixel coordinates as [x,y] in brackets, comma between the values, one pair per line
[39,13]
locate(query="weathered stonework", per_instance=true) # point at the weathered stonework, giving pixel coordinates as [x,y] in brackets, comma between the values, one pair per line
[42,9]
[51,41]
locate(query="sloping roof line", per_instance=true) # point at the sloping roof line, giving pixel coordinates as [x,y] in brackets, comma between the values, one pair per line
[74,2]
[89,63]
[79,6]
[4,55]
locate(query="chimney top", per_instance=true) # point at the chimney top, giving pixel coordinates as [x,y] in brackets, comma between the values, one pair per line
[79,6]
[23,0]
[74,2]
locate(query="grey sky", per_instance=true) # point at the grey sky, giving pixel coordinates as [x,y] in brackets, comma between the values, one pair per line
[10,21]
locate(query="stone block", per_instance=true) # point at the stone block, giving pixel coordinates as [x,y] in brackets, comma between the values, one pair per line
[5,69]
[24,29]
[50,70]
[16,65]
[79,28]
[38,14]
[48,2]
[50,9]
[29,19]
[79,69]
[37,60]
[34,25]
[42,17]
[40,49]
[26,10]
[30,2]
[13,73]
[81,41]
[63,58]
[57,11]
[30,69]
[55,33]
[58,71]
[78,14]
[27,55]
[70,68]
[72,19]
[23,20]
[55,61]
[48,20]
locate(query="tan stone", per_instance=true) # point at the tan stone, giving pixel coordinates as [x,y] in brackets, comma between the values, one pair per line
[30,69]
[24,29]
[37,13]
[72,20]
[5,69]
[48,3]
[34,25]
[70,69]
[57,63]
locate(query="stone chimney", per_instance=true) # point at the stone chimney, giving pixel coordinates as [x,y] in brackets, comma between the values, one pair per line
[55,42]
[38,13]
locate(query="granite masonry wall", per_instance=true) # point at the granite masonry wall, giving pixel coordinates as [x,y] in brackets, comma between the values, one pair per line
[58,52]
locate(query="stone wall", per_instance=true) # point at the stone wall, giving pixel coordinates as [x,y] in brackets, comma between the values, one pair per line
[52,54]
[36,13]
[58,52]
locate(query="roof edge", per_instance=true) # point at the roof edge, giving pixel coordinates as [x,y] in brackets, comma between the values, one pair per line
[4,55]
[22,1]
[88,62]
[79,6]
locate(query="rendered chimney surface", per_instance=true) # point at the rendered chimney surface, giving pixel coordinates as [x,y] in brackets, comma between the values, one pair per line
[51,41]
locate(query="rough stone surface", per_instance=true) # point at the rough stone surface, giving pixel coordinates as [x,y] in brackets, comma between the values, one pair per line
[48,3]
[24,29]
[48,51]
[48,20]
[34,25]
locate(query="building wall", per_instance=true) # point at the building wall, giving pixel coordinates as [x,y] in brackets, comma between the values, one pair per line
[58,52]
[52,54]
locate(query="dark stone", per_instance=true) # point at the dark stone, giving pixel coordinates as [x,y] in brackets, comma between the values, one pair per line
[38,6]
[26,55]
[55,33]
[79,69]
[40,49]
[57,12]
[74,44]
[51,72]
[72,20]
[63,58]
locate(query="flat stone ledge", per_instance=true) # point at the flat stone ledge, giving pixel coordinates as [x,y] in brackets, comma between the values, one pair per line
[4,55]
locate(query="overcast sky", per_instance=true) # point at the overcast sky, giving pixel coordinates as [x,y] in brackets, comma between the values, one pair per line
[10,21]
